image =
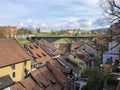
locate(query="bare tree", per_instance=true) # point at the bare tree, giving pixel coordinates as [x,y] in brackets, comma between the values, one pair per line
[111,9]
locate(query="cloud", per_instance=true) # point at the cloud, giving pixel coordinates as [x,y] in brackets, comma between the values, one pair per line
[10,10]
[51,14]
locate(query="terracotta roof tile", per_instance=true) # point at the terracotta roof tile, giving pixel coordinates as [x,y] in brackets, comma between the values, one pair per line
[40,79]
[47,74]
[76,44]
[49,48]
[60,77]
[83,55]
[54,83]
[11,52]
[69,65]
[37,52]
[61,67]
[29,84]
[17,86]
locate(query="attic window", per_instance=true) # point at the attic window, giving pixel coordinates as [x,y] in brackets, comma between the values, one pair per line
[43,54]
[31,47]
[38,55]
[36,46]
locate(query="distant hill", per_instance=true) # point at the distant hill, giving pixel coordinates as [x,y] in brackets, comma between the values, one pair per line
[101,29]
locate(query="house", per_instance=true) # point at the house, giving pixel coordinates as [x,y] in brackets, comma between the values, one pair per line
[53,75]
[5,82]
[48,79]
[71,69]
[59,75]
[10,31]
[88,46]
[17,86]
[76,44]
[26,84]
[63,44]
[40,57]
[39,79]
[70,31]
[77,62]
[14,61]
[86,57]
[49,48]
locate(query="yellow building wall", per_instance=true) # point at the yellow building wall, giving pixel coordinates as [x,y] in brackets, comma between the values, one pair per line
[78,61]
[5,71]
[107,69]
[19,70]
[28,65]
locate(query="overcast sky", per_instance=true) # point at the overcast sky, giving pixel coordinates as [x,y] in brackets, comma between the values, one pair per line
[52,14]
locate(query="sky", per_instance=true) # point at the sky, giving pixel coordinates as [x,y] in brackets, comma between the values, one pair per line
[52,14]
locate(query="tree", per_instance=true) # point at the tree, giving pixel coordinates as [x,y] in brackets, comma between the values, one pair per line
[112,13]
[23,31]
[95,79]
[3,32]
[111,9]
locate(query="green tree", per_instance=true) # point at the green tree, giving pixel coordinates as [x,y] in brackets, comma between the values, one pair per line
[95,79]
[23,31]
[52,33]
[3,32]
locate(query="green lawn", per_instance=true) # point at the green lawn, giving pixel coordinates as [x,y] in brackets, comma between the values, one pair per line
[22,40]
[67,40]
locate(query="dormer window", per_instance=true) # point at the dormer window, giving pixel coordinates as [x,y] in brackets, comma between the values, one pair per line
[43,54]
[38,55]
[31,47]
[36,46]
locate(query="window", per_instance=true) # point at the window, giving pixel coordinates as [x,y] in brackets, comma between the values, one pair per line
[43,54]
[38,55]
[31,47]
[36,46]
[13,74]
[13,66]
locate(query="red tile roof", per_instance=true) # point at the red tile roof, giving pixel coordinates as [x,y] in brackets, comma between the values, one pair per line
[47,79]
[38,52]
[47,74]
[11,52]
[29,84]
[40,79]
[26,84]
[49,48]
[85,55]
[54,83]
[17,86]
[60,77]
[76,44]
[59,66]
